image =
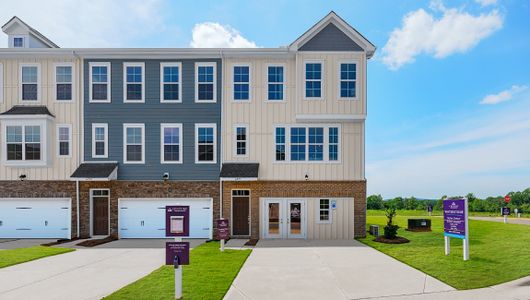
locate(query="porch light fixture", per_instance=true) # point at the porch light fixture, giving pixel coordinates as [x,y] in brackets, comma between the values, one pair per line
[22,177]
[306,177]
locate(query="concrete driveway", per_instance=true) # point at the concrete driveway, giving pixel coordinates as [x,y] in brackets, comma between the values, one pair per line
[326,270]
[23,243]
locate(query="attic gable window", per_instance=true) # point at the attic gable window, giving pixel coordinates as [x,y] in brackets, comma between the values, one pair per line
[18,42]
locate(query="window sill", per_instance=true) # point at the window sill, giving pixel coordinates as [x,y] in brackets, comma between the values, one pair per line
[25,164]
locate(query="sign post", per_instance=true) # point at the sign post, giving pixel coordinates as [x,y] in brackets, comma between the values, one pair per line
[178,252]
[456,224]
[506,210]
[222,232]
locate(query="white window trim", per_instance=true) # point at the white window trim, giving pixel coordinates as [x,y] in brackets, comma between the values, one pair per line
[267,100]
[99,64]
[330,219]
[170,64]
[1,83]
[249,83]
[205,125]
[133,64]
[247,148]
[106,126]
[356,62]
[65,64]
[162,144]
[325,158]
[43,143]
[24,41]
[57,137]
[205,64]
[322,76]
[133,125]
[38,82]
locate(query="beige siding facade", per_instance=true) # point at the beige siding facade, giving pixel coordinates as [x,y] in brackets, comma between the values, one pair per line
[340,226]
[65,112]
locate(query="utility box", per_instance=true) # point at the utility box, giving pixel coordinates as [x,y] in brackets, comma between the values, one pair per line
[419,225]
[374,230]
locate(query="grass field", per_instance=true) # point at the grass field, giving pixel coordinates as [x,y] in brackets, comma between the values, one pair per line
[498,252]
[17,256]
[208,276]
[435,213]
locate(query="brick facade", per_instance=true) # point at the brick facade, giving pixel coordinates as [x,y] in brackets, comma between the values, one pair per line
[144,189]
[42,189]
[258,189]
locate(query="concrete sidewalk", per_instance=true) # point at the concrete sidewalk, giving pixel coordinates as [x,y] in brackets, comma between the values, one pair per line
[523,221]
[291,269]
[82,274]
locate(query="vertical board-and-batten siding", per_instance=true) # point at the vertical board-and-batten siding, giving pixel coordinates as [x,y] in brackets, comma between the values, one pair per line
[341,225]
[152,113]
[58,168]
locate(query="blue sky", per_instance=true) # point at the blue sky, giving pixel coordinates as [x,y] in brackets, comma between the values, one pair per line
[448,96]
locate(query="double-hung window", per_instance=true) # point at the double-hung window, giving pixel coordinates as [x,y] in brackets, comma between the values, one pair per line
[100,140]
[275,83]
[63,82]
[324,215]
[313,80]
[133,82]
[298,143]
[316,143]
[241,142]
[23,143]
[280,143]
[99,82]
[133,143]
[170,82]
[205,85]
[64,140]
[171,140]
[205,143]
[333,144]
[348,79]
[30,81]
[241,83]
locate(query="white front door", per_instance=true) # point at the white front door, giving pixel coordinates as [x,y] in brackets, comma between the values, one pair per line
[284,218]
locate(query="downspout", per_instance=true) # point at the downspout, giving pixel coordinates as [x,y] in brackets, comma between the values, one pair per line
[221,139]
[79,134]
[77,205]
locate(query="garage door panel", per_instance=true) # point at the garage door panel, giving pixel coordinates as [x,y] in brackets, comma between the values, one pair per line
[145,218]
[35,218]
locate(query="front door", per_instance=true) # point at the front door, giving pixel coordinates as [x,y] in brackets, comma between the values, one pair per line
[100,214]
[240,215]
[284,218]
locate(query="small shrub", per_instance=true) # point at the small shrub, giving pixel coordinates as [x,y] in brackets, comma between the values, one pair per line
[390,230]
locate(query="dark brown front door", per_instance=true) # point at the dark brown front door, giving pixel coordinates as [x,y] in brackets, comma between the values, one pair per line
[240,218]
[100,213]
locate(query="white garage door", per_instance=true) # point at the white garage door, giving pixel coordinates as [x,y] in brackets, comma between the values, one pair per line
[146,218]
[35,217]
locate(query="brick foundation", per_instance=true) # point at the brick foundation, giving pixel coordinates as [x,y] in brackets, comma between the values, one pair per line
[258,189]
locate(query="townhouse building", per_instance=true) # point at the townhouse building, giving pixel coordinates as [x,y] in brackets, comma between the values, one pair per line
[270,138]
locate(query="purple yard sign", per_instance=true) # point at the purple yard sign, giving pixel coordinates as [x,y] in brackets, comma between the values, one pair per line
[179,249]
[455,218]
[222,229]
[177,220]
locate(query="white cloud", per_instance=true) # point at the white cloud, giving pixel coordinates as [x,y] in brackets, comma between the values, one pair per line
[504,95]
[215,35]
[95,23]
[486,2]
[423,33]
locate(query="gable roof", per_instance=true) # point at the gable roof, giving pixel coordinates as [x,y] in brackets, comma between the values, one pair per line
[31,30]
[347,29]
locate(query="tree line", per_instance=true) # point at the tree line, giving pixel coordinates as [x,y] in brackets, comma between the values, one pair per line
[519,200]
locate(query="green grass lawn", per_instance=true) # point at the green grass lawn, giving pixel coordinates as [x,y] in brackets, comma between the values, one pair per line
[17,256]
[208,276]
[436,213]
[498,252]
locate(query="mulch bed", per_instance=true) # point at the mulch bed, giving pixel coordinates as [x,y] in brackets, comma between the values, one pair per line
[97,242]
[397,240]
[251,242]
[58,242]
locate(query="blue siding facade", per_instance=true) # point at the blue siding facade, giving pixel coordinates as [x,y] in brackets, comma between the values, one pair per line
[152,113]
[331,38]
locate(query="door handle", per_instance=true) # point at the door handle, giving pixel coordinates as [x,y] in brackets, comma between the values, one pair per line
[45,223]
[141,223]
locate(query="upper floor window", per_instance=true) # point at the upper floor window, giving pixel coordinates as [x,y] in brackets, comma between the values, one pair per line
[64,140]
[333,143]
[275,83]
[307,143]
[99,89]
[133,82]
[63,82]
[348,79]
[100,140]
[23,143]
[241,140]
[241,83]
[280,143]
[205,143]
[298,143]
[316,143]
[170,82]
[313,80]
[18,42]
[133,143]
[171,140]
[30,79]
[205,85]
